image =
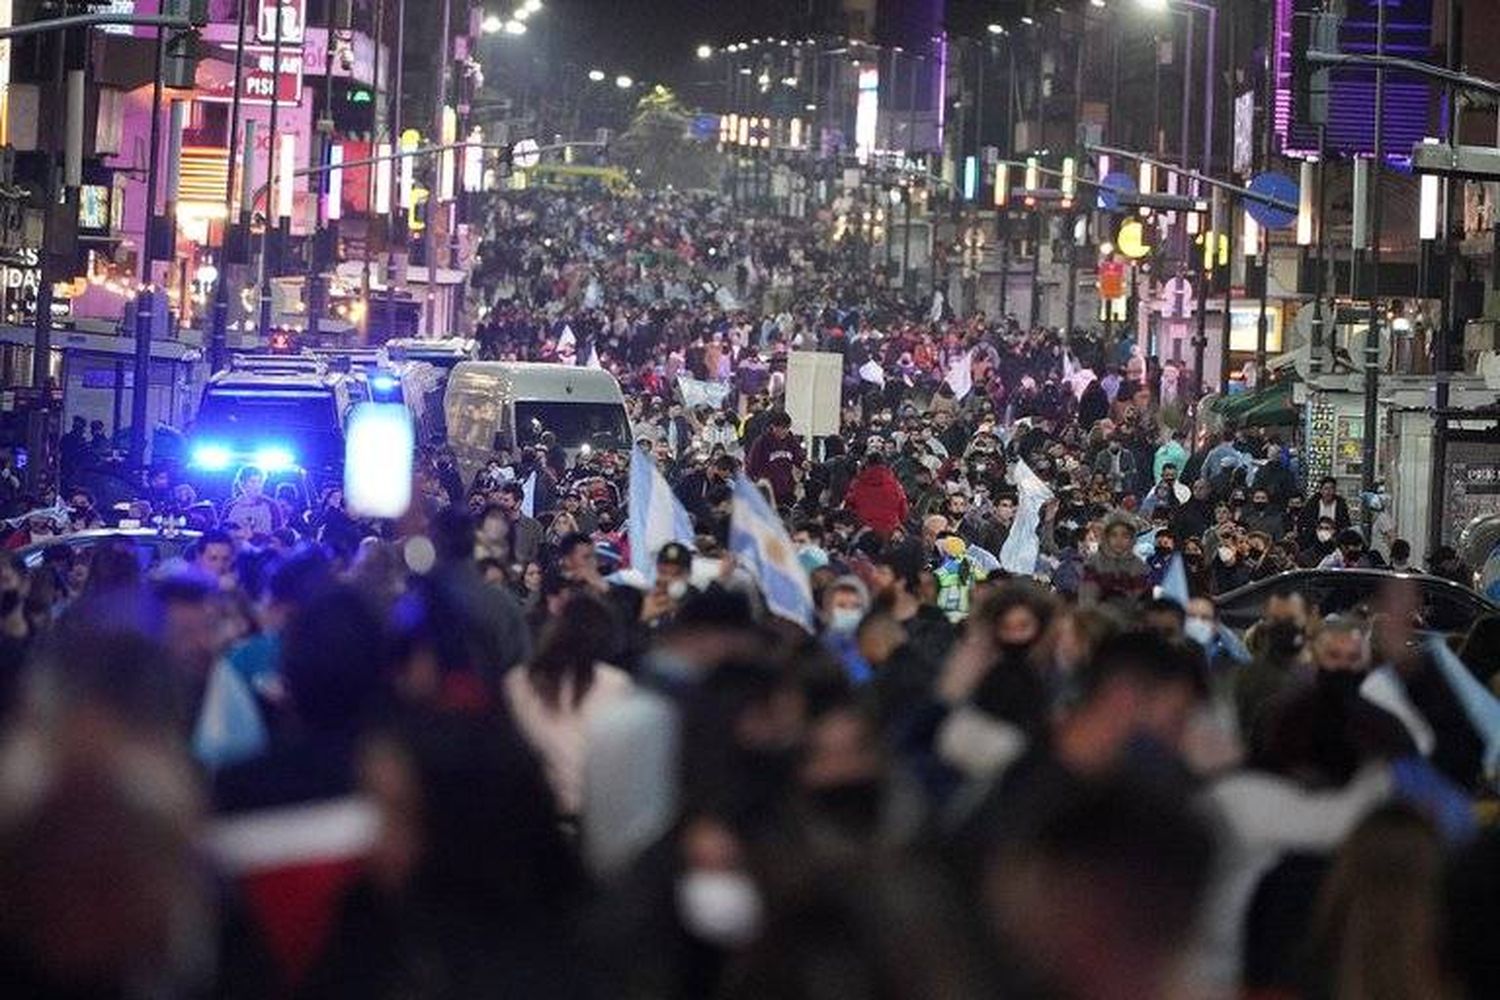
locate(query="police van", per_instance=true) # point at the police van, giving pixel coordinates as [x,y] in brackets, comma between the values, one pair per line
[492,405]
[283,415]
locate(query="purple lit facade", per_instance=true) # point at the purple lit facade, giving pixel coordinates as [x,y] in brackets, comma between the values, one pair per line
[1351,117]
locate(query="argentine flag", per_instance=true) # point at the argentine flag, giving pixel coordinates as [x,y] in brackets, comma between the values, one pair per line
[656,516]
[229,728]
[759,539]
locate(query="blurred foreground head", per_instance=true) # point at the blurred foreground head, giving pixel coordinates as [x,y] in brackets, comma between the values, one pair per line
[97,862]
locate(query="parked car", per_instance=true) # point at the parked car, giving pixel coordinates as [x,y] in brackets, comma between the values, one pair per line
[152,547]
[1446,607]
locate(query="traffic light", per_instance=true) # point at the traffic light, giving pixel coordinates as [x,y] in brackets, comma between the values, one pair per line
[1313,84]
[180,65]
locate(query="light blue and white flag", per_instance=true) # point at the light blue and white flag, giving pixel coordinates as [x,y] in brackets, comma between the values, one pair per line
[1481,707]
[229,727]
[1019,553]
[701,392]
[759,539]
[592,361]
[1174,583]
[1145,543]
[656,518]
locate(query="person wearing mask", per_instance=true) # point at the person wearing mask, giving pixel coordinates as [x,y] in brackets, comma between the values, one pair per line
[1172,452]
[1117,463]
[876,498]
[1276,644]
[1349,553]
[1195,565]
[845,603]
[1323,544]
[1263,515]
[1227,561]
[567,681]
[1325,504]
[1271,474]
[777,458]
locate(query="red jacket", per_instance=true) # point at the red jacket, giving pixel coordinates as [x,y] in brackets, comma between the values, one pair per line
[877,499]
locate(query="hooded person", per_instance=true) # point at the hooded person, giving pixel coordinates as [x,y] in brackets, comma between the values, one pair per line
[1115,571]
[876,497]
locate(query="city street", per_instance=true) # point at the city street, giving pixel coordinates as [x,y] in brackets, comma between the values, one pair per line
[794,500]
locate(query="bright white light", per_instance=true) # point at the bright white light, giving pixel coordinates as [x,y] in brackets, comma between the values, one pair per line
[1033,174]
[1427,214]
[597,75]
[207,274]
[383,179]
[624,82]
[335,182]
[491,24]
[274,458]
[789,81]
[1069,178]
[996,29]
[378,460]
[520,14]
[1156,5]
[514,27]
[1002,184]
[866,113]
[1097,3]
[971,177]
[212,457]
[532,6]
[1305,205]
[1028,20]
[286,167]
[705,51]
[1251,237]
[408,169]
[474,163]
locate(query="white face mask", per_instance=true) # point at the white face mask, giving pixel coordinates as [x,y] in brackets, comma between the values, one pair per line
[1091,547]
[1325,536]
[1226,554]
[722,908]
[844,621]
[1200,630]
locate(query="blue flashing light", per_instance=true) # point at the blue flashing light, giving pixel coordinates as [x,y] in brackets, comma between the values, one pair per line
[383,383]
[274,458]
[212,457]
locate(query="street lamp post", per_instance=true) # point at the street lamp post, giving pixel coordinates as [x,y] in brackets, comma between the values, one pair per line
[268,266]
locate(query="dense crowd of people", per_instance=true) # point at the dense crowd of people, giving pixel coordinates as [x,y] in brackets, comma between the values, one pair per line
[495,749]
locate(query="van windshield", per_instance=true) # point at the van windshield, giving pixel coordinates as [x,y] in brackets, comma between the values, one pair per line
[574,424]
[247,410]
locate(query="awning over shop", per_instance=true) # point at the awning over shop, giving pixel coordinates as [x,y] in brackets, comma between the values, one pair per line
[1269,406]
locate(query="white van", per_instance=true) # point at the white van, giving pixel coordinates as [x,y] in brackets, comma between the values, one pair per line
[502,404]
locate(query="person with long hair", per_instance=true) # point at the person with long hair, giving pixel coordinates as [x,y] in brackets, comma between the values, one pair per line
[565,684]
[1376,929]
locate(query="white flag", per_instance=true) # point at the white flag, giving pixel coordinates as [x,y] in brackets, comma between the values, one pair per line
[1019,553]
[528,495]
[593,358]
[961,375]
[871,371]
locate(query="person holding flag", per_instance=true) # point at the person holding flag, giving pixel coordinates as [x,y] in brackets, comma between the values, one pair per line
[758,538]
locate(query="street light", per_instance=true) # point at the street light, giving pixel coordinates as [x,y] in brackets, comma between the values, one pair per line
[492,24]
[514,27]
[597,75]
[532,6]
[705,51]
[996,29]
[624,82]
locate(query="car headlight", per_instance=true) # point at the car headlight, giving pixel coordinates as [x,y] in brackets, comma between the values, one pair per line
[274,458]
[212,457]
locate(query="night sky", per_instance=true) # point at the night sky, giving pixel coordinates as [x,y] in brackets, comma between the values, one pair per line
[655,39]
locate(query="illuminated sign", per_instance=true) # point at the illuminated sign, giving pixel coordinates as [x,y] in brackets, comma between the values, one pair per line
[866,113]
[293,20]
